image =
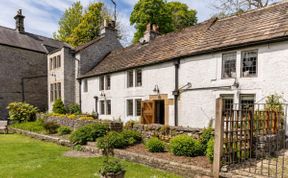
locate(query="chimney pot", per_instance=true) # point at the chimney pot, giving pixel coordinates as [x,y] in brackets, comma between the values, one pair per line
[19,21]
[152,31]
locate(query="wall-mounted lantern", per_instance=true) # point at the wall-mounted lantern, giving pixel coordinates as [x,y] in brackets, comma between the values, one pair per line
[156,89]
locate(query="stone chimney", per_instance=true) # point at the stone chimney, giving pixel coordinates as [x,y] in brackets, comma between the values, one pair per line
[19,21]
[109,28]
[152,31]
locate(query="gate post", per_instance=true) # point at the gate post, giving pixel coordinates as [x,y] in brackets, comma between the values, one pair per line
[218,145]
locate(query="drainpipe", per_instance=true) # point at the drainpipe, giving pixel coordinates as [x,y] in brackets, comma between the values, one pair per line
[96,105]
[176,90]
[80,94]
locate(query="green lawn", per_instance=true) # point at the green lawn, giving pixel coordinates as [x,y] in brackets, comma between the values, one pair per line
[23,157]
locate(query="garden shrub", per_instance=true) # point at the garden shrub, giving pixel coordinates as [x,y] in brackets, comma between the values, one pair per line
[19,112]
[63,130]
[88,133]
[131,136]
[210,149]
[71,116]
[73,108]
[184,145]
[129,124]
[58,107]
[114,139]
[86,118]
[51,127]
[36,126]
[206,135]
[155,145]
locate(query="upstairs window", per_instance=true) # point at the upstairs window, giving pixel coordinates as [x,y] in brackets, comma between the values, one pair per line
[249,63]
[130,78]
[101,83]
[108,82]
[129,107]
[51,63]
[229,65]
[58,61]
[85,86]
[55,62]
[138,78]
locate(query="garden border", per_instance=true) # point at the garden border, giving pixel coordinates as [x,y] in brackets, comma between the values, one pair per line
[174,167]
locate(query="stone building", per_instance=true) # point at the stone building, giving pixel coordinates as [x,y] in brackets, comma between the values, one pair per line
[175,79]
[23,65]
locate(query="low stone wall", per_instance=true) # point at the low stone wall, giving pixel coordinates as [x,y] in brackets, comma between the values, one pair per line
[165,132]
[76,123]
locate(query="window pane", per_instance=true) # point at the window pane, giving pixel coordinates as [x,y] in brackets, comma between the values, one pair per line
[50,64]
[108,82]
[138,107]
[102,107]
[59,90]
[51,93]
[85,85]
[130,107]
[249,63]
[58,61]
[138,77]
[101,83]
[54,63]
[108,107]
[247,102]
[229,65]
[130,78]
[227,102]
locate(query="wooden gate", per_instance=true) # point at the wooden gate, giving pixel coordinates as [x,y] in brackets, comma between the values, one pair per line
[148,112]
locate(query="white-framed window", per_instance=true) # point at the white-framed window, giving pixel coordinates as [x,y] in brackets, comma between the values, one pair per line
[129,107]
[138,107]
[138,77]
[108,107]
[108,82]
[247,101]
[130,79]
[101,83]
[102,107]
[85,85]
[229,65]
[249,63]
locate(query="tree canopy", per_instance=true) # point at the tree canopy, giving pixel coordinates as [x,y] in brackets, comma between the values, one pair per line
[77,27]
[168,16]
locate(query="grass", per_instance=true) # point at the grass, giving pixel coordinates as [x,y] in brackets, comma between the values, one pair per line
[23,157]
[36,126]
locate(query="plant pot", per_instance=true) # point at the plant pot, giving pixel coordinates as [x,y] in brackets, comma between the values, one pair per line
[120,174]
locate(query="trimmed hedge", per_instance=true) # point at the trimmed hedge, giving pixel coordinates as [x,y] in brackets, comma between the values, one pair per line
[184,145]
[155,145]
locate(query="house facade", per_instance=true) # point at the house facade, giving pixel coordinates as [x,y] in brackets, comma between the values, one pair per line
[23,66]
[175,79]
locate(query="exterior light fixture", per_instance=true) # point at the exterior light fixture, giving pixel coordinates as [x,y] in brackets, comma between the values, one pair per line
[156,89]
[236,83]
[103,94]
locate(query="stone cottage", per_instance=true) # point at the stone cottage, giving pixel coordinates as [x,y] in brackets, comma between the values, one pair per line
[174,79]
[23,65]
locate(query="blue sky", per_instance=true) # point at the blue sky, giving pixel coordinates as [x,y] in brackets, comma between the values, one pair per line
[42,15]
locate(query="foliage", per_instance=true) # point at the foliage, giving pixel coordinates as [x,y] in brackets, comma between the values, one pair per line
[210,149]
[111,166]
[129,124]
[274,103]
[168,16]
[73,108]
[63,130]
[86,118]
[71,116]
[69,21]
[228,7]
[20,112]
[131,136]
[89,27]
[184,145]
[113,139]
[18,150]
[58,107]
[51,127]
[88,133]
[206,135]
[155,145]
[36,126]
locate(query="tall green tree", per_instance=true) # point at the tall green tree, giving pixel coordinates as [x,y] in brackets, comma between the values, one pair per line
[181,15]
[89,27]
[69,21]
[168,16]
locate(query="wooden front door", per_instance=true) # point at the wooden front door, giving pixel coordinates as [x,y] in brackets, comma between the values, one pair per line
[148,112]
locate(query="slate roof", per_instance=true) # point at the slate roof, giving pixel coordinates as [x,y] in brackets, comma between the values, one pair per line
[250,28]
[28,41]
[79,48]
